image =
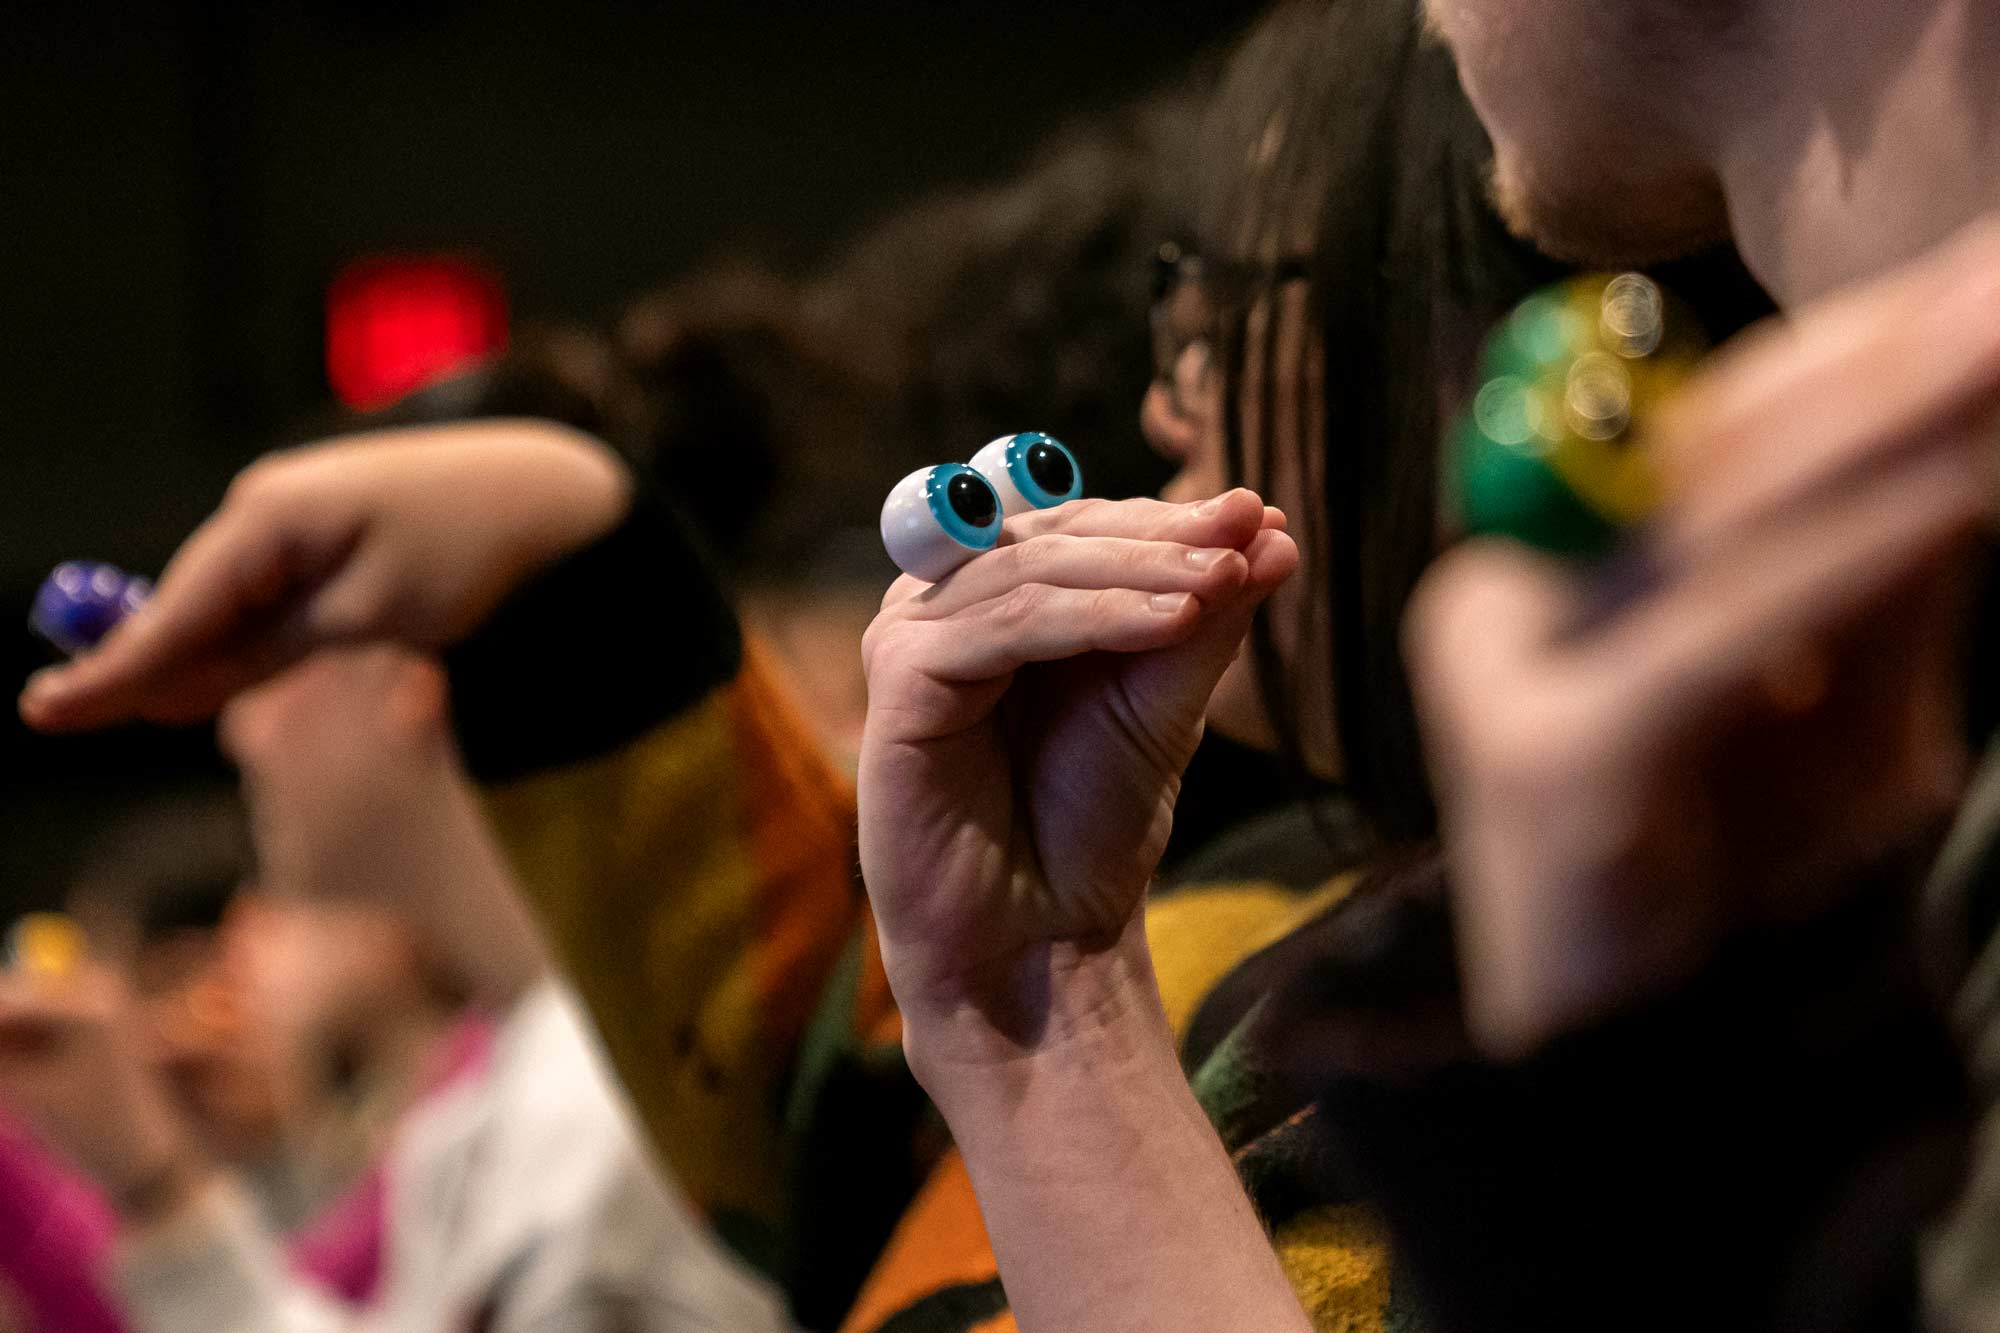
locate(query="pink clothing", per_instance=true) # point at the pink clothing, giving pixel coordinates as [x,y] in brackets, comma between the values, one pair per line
[54,1234]
[342,1248]
[56,1230]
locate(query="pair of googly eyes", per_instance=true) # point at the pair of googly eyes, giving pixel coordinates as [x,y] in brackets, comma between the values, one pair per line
[937,518]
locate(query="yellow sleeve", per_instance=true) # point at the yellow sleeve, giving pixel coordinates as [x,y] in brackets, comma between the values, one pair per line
[699,885]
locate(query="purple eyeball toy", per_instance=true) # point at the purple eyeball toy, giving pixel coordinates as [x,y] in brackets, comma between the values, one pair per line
[80,602]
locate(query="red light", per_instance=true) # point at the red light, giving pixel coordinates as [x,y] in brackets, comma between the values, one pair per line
[395,324]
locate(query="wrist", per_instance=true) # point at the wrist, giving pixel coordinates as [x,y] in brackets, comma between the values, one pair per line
[1062,1008]
[581,497]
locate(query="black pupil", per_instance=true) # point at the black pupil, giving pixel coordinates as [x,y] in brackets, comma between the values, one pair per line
[971,499]
[1050,467]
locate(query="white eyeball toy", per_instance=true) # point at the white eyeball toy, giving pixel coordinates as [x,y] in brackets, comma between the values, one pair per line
[1029,471]
[937,518]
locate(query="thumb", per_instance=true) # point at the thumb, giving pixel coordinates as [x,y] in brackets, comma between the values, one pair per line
[1172,685]
[1481,617]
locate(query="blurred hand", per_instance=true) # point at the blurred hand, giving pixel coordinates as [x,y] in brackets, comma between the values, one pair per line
[358,800]
[1778,706]
[74,1065]
[1029,718]
[410,535]
[333,753]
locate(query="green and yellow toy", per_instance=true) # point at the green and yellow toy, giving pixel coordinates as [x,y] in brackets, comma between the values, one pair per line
[1548,452]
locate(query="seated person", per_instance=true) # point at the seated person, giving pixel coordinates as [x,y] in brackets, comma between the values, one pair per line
[514,1193]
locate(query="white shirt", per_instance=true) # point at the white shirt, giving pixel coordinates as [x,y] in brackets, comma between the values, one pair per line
[520,1201]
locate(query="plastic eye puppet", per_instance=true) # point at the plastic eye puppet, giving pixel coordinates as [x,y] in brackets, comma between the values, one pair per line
[82,601]
[1029,471]
[937,518]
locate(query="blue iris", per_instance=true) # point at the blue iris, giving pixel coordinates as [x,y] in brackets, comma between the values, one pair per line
[964,504]
[1043,470]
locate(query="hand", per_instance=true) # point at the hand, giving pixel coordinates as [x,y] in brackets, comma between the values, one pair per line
[74,1065]
[357,798]
[412,536]
[1029,718]
[1777,708]
[334,754]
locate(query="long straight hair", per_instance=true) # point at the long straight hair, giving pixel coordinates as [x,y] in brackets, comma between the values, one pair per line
[1343,122]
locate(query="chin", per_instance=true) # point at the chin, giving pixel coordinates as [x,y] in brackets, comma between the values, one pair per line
[1605,220]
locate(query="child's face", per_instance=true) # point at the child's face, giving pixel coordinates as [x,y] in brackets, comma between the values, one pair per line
[228,1081]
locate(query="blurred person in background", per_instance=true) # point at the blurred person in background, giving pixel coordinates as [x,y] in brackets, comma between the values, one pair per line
[688,850]
[774,413]
[293,1104]
[508,1186]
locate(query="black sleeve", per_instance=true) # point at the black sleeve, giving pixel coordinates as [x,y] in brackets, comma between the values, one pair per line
[1758,1150]
[594,651]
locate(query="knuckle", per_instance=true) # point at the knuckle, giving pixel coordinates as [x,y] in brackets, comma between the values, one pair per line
[249,486]
[261,483]
[1433,609]
[1021,605]
[1086,512]
[885,643]
[1036,558]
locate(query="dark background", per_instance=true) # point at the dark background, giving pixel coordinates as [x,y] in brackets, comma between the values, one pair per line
[178,183]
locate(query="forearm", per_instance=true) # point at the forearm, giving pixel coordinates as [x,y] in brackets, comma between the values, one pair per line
[1109,1199]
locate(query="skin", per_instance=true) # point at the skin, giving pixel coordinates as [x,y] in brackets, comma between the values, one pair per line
[1157,597]
[1029,715]
[378,874]
[1825,483]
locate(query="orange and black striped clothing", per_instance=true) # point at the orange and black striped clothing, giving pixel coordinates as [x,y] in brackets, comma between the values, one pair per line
[691,857]
[1706,1160]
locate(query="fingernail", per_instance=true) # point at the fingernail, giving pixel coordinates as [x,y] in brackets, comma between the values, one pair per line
[1204,559]
[1168,603]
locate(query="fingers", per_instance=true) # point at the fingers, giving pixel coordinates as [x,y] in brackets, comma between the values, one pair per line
[1072,588]
[1180,680]
[1230,519]
[1226,522]
[986,642]
[1491,618]
[1064,561]
[1484,612]
[33,1004]
[225,571]
[1871,371]
[1039,623]
[1740,605]
[224,616]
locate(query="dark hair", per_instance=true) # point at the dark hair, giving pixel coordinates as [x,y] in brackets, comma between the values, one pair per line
[1344,120]
[1023,305]
[169,865]
[777,413]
